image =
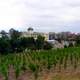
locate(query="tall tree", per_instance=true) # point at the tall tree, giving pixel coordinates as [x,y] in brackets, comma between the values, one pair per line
[4,34]
[5,46]
[28,42]
[14,34]
[40,42]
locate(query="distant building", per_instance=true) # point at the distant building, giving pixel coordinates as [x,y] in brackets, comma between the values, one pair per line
[56,44]
[52,35]
[30,33]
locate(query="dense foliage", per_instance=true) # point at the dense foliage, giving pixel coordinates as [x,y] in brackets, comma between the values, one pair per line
[13,42]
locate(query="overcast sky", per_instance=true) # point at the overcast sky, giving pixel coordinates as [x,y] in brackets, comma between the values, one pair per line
[42,15]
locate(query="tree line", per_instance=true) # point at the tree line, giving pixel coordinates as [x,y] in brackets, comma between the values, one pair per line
[14,43]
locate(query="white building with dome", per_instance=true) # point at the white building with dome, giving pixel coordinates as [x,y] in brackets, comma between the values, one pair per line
[30,33]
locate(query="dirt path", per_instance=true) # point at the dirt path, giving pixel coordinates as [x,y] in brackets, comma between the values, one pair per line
[44,75]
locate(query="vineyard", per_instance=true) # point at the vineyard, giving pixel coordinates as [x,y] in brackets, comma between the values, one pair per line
[37,62]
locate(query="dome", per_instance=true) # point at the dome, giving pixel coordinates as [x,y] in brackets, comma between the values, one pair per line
[30,29]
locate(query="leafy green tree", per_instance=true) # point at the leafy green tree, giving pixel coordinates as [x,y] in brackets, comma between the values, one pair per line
[28,42]
[15,40]
[40,42]
[15,45]
[14,34]
[5,46]
[4,34]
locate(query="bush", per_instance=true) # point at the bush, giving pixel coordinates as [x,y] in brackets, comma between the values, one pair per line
[70,45]
[47,46]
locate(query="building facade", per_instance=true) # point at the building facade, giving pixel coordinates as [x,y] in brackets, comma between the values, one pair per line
[30,33]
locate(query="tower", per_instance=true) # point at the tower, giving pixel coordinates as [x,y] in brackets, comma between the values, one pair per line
[30,30]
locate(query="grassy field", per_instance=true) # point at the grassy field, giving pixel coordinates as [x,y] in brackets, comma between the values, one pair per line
[43,65]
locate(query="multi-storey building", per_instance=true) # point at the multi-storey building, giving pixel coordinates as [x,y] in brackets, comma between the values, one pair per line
[30,33]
